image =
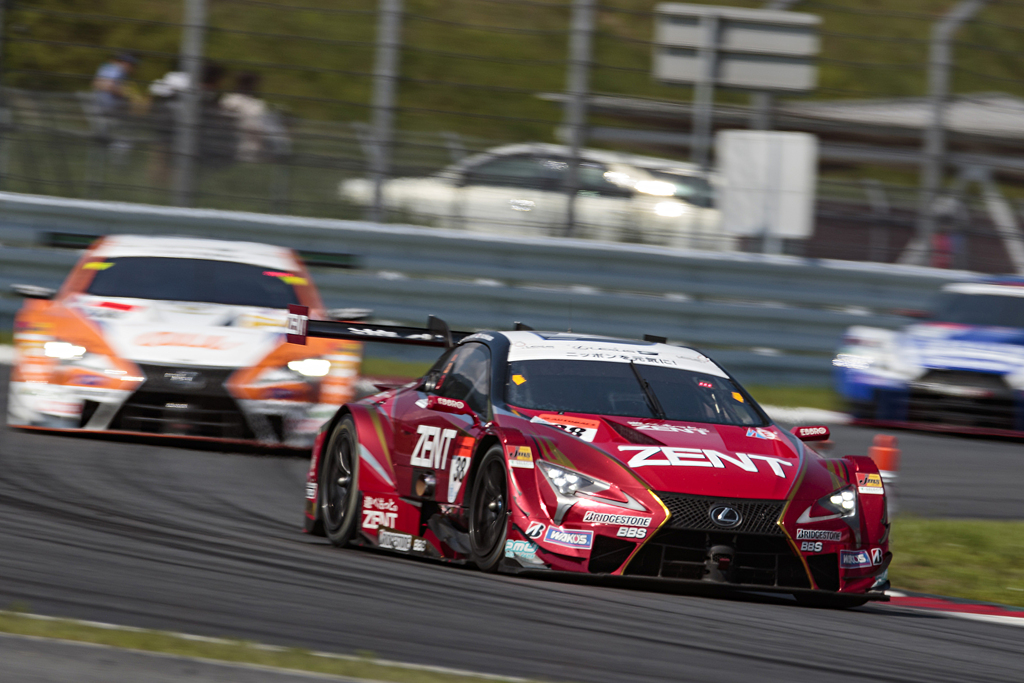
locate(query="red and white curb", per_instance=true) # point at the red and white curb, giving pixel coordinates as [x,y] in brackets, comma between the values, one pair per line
[963,609]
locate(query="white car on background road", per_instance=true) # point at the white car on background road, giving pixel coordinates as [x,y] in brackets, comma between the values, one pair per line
[519,190]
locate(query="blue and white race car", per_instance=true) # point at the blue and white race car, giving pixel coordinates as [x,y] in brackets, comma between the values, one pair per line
[961,369]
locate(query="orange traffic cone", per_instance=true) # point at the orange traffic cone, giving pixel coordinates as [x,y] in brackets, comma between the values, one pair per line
[887,457]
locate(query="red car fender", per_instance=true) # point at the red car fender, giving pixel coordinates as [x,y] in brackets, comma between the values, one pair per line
[376,446]
[874,521]
[376,466]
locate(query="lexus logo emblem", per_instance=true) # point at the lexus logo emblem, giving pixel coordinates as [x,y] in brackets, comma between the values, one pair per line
[726,517]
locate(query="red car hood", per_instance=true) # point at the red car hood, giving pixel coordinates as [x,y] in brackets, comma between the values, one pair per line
[693,458]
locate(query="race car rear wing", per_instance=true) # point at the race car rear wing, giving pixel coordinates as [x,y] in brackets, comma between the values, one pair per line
[436,333]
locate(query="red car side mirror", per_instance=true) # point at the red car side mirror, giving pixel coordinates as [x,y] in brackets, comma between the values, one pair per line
[449,405]
[816,433]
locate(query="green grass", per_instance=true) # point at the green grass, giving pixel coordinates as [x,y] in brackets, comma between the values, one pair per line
[6,337]
[796,397]
[869,48]
[388,367]
[366,667]
[974,559]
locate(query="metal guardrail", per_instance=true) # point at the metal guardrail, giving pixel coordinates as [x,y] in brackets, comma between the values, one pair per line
[770,319]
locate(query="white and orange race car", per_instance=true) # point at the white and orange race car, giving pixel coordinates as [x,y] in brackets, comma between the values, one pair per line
[178,337]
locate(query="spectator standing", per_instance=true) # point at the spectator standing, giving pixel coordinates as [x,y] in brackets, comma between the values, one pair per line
[217,132]
[251,114]
[111,84]
[166,93]
[112,93]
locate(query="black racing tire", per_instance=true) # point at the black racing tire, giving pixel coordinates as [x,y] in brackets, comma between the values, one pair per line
[339,483]
[826,601]
[488,511]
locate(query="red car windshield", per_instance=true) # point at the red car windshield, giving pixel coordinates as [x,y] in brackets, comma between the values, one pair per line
[184,279]
[628,390]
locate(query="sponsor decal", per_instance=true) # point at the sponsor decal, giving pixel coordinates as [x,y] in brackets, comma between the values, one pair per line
[580,427]
[386,504]
[869,483]
[394,540]
[186,379]
[58,407]
[422,403]
[627,357]
[631,532]
[295,329]
[811,432]
[737,396]
[810,547]
[535,530]
[287,278]
[379,512]
[111,307]
[457,474]
[254,321]
[761,433]
[646,456]
[818,534]
[520,456]
[96,265]
[658,427]
[854,559]
[391,334]
[581,540]
[88,380]
[629,520]
[518,379]
[452,404]
[432,449]
[183,339]
[311,490]
[281,394]
[522,550]
[876,556]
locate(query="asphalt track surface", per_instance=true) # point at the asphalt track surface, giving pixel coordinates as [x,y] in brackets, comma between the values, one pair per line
[207,542]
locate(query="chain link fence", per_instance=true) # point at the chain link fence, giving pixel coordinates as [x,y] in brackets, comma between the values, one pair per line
[516,117]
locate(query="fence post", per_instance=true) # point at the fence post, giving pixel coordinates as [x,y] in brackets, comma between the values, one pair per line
[5,119]
[385,79]
[762,103]
[186,138]
[934,162]
[577,85]
[704,91]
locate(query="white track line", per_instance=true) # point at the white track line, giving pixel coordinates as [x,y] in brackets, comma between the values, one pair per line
[201,660]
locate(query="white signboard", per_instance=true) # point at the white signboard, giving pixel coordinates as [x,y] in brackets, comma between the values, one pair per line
[768,182]
[748,48]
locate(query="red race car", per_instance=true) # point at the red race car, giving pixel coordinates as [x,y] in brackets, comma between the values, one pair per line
[536,451]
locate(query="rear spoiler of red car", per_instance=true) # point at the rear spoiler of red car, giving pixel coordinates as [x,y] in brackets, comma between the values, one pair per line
[436,333]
